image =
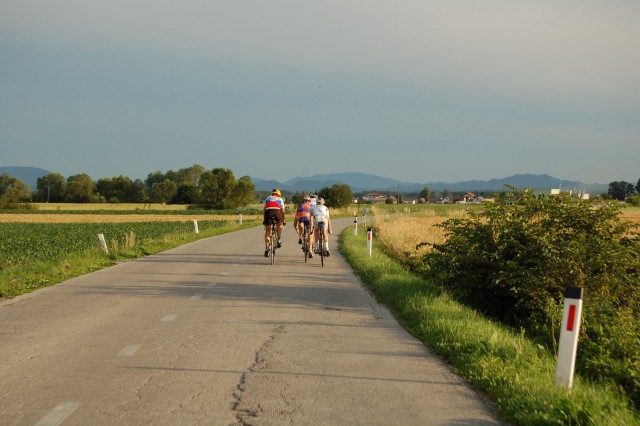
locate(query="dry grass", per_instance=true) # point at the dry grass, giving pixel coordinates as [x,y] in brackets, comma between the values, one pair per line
[402,234]
[116,218]
[107,206]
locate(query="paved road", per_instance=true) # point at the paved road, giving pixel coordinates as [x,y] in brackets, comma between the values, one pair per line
[211,333]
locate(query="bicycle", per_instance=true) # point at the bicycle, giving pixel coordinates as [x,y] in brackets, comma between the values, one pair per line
[305,241]
[273,240]
[321,242]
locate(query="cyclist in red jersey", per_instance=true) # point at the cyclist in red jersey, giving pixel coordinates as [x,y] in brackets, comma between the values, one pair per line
[273,208]
[303,218]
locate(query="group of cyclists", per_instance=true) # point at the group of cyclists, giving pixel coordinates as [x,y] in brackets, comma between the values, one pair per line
[309,214]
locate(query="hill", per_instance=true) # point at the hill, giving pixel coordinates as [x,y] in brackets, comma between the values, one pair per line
[28,175]
[361,182]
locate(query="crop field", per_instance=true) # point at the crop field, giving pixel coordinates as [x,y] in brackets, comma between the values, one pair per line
[22,243]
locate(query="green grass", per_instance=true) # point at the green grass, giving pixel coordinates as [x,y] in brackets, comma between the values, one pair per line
[501,363]
[38,255]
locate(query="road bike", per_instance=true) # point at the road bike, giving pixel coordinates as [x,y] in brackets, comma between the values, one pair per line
[305,241]
[321,242]
[273,240]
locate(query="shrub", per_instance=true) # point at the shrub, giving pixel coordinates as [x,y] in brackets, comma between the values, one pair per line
[514,260]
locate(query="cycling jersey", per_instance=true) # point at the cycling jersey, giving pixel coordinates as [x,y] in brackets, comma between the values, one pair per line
[320,213]
[304,211]
[273,202]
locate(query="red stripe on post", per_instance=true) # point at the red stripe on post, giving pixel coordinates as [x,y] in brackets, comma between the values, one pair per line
[572,315]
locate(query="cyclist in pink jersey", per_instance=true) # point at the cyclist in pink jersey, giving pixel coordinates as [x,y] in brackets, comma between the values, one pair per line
[303,219]
[273,208]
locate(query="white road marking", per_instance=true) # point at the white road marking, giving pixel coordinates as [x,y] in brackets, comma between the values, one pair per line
[58,414]
[130,350]
[212,284]
[224,273]
[243,258]
[169,317]
[196,296]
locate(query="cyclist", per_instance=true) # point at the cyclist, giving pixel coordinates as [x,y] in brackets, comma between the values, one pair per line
[303,220]
[273,208]
[320,214]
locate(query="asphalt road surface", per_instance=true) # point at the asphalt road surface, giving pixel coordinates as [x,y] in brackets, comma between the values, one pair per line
[211,333]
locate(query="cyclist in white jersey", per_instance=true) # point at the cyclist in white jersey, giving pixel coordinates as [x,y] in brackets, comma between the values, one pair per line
[320,214]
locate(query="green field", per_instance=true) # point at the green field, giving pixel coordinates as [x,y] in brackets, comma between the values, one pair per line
[35,255]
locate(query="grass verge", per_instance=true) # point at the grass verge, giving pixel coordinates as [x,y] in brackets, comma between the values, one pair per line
[518,375]
[32,275]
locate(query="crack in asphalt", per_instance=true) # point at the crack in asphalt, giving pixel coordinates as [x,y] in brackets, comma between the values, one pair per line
[259,363]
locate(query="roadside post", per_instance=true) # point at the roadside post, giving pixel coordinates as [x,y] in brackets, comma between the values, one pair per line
[355,223]
[364,216]
[195,226]
[569,333]
[103,243]
[240,219]
[369,241]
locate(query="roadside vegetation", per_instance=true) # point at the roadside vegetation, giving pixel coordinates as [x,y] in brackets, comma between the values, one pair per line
[507,361]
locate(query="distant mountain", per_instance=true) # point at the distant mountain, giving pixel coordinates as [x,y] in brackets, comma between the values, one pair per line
[361,182]
[28,175]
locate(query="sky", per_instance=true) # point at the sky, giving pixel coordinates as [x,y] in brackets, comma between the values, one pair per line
[415,90]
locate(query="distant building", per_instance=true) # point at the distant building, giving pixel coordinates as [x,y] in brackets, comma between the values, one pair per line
[374,198]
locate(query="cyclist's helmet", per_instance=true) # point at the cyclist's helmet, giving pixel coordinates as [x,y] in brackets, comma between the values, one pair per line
[320,200]
[276,191]
[306,198]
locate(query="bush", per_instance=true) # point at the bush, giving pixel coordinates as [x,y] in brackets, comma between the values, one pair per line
[514,260]
[633,200]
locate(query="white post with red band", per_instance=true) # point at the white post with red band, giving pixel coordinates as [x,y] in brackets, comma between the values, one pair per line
[355,224]
[569,333]
[369,241]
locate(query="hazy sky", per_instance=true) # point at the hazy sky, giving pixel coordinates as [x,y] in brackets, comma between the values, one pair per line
[419,91]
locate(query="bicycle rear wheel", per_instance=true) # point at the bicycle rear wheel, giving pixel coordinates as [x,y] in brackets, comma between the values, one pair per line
[273,243]
[321,245]
[305,244]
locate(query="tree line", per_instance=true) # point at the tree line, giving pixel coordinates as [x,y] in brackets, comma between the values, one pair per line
[209,189]
[215,189]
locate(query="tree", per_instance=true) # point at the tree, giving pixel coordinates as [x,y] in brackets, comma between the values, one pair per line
[164,191]
[121,189]
[12,192]
[216,187]
[338,195]
[243,193]
[638,187]
[51,188]
[425,193]
[620,190]
[80,189]
[187,193]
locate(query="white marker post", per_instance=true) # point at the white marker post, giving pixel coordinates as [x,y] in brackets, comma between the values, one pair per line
[569,333]
[195,226]
[355,224]
[103,243]
[240,218]
[369,241]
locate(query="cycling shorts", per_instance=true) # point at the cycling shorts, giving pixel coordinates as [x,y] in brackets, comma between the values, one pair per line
[272,213]
[304,220]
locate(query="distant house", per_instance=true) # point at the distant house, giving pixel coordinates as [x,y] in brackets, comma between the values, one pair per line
[412,200]
[374,197]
